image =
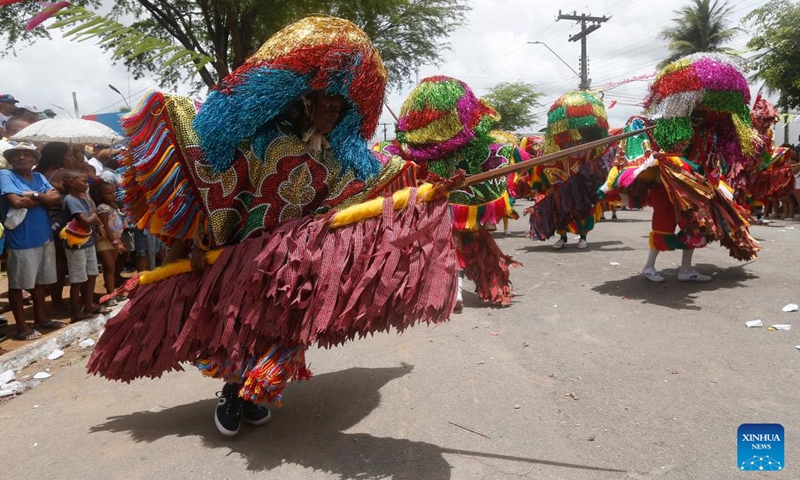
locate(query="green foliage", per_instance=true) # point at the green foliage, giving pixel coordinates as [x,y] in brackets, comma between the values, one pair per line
[701,26]
[174,39]
[515,102]
[776,39]
[409,33]
[14,17]
[125,43]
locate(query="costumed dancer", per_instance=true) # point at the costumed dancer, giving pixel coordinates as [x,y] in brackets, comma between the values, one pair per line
[533,146]
[567,188]
[443,127]
[773,178]
[510,142]
[613,204]
[700,104]
[268,187]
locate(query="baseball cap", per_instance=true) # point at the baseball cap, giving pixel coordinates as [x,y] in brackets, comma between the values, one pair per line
[8,98]
[28,107]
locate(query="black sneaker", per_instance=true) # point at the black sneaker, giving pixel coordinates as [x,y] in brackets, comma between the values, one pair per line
[228,415]
[255,414]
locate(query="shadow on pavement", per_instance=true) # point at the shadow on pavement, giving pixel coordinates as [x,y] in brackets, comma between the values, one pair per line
[309,431]
[674,293]
[624,220]
[572,246]
[471,300]
[511,234]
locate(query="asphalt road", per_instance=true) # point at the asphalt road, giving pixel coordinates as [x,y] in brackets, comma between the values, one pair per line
[592,373]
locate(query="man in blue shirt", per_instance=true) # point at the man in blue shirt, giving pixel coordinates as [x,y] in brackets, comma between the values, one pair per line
[29,241]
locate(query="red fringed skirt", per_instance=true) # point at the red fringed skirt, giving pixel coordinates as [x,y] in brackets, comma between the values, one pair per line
[301,284]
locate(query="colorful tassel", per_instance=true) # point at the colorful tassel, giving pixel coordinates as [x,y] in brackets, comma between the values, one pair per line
[74,234]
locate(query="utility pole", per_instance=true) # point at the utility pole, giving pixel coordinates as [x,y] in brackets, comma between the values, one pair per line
[585,31]
[75,104]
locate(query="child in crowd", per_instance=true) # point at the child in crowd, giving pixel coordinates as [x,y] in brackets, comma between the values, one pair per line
[82,256]
[110,247]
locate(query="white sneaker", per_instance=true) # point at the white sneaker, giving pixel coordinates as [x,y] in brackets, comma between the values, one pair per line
[652,275]
[693,276]
[582,243]
[559,244]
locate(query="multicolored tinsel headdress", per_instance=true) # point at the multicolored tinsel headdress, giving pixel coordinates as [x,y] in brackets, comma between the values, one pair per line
[440,117]
[702,81]
[504,138]
[575,118]
[316,53]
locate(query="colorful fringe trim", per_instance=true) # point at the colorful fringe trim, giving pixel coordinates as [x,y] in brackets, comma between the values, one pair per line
[585,225]
[706,212]
[472,217]
[667,241]
[487,266]
[263,379]
[303,284]
[158,193]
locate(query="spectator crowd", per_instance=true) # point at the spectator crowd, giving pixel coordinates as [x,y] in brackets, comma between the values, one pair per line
[61,225]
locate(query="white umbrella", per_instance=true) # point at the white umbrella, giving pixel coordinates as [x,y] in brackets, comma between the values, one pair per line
[68,130]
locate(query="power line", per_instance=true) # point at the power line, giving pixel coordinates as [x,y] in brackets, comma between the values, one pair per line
[118,101]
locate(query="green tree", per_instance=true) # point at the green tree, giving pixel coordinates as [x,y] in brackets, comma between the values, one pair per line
[515,102]
[173,39]
[776,41]
[701,26]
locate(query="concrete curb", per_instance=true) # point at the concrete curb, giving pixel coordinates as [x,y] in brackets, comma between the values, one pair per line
[39,350]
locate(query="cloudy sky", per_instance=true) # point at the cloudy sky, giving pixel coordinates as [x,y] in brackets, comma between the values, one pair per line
[493,47]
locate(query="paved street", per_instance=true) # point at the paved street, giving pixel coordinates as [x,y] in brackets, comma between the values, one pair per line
[593,373]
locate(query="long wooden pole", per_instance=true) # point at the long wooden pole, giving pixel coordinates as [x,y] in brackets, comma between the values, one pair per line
[502,171]
[391,111]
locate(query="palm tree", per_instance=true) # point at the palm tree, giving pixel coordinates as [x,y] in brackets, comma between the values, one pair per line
[701,26]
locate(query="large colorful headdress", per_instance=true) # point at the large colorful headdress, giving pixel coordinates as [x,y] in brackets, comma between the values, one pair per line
[702,81]
[571,117]
[440,117]
[316,53]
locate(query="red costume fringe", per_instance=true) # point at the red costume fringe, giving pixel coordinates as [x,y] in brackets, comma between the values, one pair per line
[487,266]
[773,183]
[705,211]
[573,200]
[303,283]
